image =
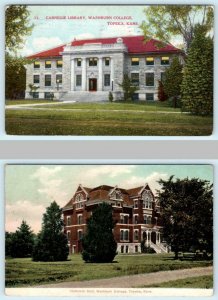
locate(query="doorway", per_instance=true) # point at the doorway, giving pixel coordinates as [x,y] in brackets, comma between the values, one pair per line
[92,84]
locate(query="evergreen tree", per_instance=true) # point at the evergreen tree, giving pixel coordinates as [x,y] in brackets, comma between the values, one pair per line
[173,80]
[161,93]
[187,214]
[197,84]
[8,243]
[98,243]
[22,241]
[128,88]
[51,244]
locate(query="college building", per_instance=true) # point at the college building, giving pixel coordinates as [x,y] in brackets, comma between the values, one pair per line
[91,68]
[136,213]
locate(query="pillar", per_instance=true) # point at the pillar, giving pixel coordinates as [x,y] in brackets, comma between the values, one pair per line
[147,237]
[112,73]
[84,74]
[72,75]
[100,75]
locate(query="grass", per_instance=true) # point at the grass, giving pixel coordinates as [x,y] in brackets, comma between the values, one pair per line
[24,272]
[90,119]
[16,102]
[200,282]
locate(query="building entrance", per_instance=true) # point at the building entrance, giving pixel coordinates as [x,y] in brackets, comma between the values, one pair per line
[92,84]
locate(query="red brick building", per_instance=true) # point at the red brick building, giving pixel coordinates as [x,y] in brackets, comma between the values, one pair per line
[136,212]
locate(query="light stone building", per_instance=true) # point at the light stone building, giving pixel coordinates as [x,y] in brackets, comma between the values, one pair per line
[87,70]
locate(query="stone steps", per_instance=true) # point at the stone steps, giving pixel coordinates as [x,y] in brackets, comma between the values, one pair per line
[85,96]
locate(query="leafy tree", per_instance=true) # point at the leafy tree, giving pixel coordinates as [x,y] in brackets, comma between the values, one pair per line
[197,84]
[8,243]
[16,26]
[166,21]
[173,80]
[21,242]
[161,93]
[15,77]
[98,243]
[51,244]
[128,88]
[187,214]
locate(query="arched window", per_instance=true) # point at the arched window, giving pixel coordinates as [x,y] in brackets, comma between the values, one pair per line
[147,200]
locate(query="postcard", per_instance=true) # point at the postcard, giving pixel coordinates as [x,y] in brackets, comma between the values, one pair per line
[109,70]
[115,230]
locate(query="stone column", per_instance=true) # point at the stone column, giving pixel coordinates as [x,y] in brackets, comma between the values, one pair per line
[112,73]
[72,75]
[84,74]
[100,74]
[157,239]
[147,237]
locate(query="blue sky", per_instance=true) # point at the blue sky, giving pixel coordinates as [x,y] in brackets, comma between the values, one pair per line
[52,32]
[29,189]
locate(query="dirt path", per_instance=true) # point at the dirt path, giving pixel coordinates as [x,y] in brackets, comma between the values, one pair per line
[133,280]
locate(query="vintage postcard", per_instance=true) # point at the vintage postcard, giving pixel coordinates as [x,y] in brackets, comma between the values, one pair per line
[109,70]
[115,230]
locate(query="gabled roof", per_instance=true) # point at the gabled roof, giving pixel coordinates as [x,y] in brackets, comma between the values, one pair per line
[134,44]
[134,191]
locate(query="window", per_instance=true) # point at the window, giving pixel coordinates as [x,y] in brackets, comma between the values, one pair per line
[162,76]
[49,95]
[122,249]
[126,235]
[79,205]
[136,249]
[165,60]
[107,79]
[134,61]
[48,64]
[149,96]
[35,95]
[147,199]
[135,79]
[47,80]
[79,62]
[107,61]
[79,219]
[126,219]
[93,62]
[36,64]
[136,235]
[121,235]
[136,204]
[59,78]
[68,235]
[68,220]
[78,80]
[147,219]
[79,234]
[149,79]
[135,219]
[59,63]
[149,61]
[35,78]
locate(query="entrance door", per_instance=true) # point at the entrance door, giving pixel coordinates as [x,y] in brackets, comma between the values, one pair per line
[92,84]
[153,237]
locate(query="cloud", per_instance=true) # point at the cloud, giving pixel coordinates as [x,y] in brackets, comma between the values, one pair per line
[25,51]
[152,179]
[84,36]
[24,210]
[51,185]
[110,171]
[120,30]
[42,43]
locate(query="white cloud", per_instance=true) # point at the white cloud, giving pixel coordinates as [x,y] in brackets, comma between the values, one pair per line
[152,179]
[83,36]
[110,171]
[44,173]
[120,30]
[43,43]
[25,51]
[24,210]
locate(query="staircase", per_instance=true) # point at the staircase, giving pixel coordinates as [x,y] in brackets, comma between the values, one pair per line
[158,248]
[86,96]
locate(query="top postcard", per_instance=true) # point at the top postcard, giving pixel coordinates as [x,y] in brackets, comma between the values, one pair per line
[109,70]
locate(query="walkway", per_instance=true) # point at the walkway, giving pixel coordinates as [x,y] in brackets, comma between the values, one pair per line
[133,280]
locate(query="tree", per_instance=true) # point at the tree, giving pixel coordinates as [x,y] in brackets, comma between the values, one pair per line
[128,88]
[197,84]
[15,77]
[173,80]
[8,243]
[22,241]
[187,214]
[98,243]
[51,244]
[16,27]
[161,93]
[166,21]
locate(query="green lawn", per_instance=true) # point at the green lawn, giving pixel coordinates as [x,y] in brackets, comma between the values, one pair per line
[15,102]
[24,272]
[200,282]
[106,119]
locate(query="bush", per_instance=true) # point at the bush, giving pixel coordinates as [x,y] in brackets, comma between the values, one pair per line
[110,97]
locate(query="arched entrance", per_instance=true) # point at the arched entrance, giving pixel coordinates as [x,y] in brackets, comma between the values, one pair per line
[153,237]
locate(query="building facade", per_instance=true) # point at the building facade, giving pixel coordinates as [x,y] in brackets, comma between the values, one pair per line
[136,213]
[95,67]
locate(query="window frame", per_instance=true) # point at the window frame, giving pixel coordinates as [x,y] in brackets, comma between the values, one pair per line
[108,80]
[146,96]
[149,82]
[135,81]
[59,64]
[135,61]
[47,66]
[34,76]
[36,63]
[165,62]
[46,80]
[93,61]
[79,62]
[80,80]
[56,78]
[107,59]
[151,63]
